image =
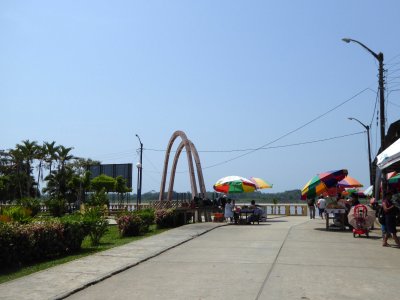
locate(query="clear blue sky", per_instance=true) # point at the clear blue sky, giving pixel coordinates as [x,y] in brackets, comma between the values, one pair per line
[231,74]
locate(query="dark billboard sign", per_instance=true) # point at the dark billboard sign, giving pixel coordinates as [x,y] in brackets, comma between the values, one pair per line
[113,170]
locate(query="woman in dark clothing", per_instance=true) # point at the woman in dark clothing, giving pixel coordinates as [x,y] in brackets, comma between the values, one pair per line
[390,220]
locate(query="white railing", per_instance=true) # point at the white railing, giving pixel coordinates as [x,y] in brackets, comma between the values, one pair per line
[287,209]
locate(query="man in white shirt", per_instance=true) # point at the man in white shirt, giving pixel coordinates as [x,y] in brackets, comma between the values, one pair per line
[321,206]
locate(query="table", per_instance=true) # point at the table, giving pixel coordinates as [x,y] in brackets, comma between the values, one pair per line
[335,211]
[243,214]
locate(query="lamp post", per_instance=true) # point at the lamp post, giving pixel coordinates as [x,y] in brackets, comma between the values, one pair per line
[139,177]
[379,58]
[369,148]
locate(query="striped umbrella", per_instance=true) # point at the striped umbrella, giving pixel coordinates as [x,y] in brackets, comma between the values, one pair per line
[260,183]
[321,182]
[349,182]
[394,183]
[234,184]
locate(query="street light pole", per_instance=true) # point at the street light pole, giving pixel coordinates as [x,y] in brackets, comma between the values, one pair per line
[379,58]
[139,181]
[369,148]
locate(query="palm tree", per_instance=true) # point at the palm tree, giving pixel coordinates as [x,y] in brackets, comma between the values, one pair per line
[63,157]
[17,163]
[51,154]
[63,172]
[28,150]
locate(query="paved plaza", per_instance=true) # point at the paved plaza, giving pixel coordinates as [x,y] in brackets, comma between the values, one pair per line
[284,258]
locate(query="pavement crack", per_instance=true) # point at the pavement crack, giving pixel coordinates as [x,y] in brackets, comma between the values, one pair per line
[274,262]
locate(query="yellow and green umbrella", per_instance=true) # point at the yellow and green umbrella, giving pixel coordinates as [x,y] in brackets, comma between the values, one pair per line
[260,183]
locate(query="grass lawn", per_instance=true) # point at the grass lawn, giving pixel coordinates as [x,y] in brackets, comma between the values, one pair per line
[109,240]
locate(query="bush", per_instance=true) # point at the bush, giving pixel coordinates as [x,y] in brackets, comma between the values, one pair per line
[167,218]
[95,224]
[16,214]
[57,207]
[13,241]
[32,204]
[148,216]
[74,232]
[98,198]
[129,224]
[46,240]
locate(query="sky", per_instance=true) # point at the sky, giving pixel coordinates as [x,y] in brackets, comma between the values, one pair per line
[233,75]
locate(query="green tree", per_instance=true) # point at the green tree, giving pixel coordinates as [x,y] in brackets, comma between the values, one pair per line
[103,182]
[120,187]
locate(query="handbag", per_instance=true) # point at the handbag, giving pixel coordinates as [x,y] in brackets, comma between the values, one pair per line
[381,216]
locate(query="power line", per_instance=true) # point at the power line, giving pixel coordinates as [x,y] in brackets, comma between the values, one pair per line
[271,147]
[397,105]
[265,148]
[397,55]
[376,103]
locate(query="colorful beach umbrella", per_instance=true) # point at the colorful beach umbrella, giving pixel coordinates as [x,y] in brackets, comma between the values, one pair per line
[349,182]
[321,182]
[260,183]
[394,183]
[234,184]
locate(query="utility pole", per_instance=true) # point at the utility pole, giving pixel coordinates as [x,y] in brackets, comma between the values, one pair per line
[379,58]
[367,128]
[139,180]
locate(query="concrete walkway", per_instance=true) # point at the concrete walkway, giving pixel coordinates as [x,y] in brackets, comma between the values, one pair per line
[284,258]
[60,281]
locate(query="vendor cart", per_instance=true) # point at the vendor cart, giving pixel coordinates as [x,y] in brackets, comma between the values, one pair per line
[337,216]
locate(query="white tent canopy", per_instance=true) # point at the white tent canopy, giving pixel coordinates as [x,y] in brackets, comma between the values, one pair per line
[390,156]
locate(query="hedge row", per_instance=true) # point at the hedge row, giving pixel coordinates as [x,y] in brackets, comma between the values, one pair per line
[138,222]
[25,243]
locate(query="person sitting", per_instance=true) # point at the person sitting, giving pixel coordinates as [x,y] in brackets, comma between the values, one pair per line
[257,213]
[252,204]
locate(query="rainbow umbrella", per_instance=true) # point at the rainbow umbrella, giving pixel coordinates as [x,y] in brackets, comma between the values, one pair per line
[234,184]
[260,183]
[321,182]
[349,182]
[394,183]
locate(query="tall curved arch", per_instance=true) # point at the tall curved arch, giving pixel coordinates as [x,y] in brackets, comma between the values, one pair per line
[186,144]
[173,172]
[198,169]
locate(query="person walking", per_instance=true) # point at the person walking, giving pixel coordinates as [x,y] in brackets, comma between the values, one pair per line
[389,210]
[311,207]
[321,203]
[228,213]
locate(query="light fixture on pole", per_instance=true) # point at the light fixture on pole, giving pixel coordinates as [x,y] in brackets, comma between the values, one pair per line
[379,58]
[139,178]
[367,128]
